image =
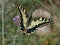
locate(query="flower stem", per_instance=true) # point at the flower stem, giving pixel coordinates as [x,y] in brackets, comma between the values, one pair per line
[2,22]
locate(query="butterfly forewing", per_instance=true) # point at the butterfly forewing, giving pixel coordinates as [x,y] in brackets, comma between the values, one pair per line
[23,16]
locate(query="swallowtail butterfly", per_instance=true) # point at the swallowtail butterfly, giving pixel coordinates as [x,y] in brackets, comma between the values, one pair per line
[40,22]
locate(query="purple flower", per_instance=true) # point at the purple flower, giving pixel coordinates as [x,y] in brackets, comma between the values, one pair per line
[16,20]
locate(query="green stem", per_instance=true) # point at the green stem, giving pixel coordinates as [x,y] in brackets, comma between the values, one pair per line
[3,22]
[40,3]
[52,3]
[14,39]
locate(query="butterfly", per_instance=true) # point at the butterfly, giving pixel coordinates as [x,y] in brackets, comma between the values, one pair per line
[33,24]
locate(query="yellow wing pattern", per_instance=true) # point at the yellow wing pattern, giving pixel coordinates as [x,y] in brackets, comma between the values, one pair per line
[23,16]
[39,21]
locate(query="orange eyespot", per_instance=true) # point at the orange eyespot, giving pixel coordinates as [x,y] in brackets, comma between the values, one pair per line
[25,31]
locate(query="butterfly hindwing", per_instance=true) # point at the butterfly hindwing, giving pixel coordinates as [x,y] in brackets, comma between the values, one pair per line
[38,23]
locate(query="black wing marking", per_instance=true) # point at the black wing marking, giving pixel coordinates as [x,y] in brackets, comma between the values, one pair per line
[39,25]
[29,20]
[22,25]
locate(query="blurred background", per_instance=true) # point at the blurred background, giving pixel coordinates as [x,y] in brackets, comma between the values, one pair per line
[47,35]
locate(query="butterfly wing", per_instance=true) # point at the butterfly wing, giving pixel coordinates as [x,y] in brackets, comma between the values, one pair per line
[38,23]
[23,15]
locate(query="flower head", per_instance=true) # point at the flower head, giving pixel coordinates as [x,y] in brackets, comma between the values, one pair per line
[16,20]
